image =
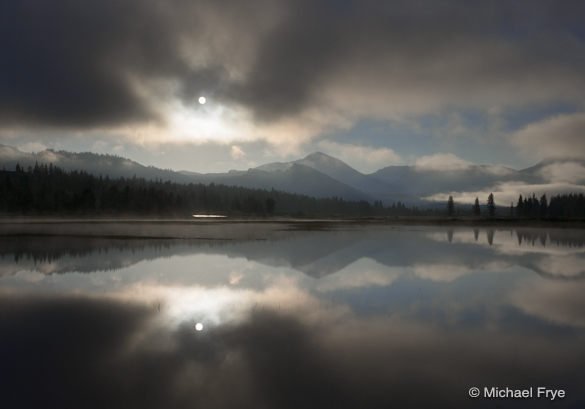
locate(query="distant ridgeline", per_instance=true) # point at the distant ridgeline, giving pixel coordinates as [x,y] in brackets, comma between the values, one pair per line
[49,190]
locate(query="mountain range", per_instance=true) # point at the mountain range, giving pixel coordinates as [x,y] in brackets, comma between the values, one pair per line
[321,175]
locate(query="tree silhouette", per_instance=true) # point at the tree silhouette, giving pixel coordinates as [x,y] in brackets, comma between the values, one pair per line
[490,236]
[543,206]
[270,203]
[520,207]
[450,206]
[491,205]
[475,208]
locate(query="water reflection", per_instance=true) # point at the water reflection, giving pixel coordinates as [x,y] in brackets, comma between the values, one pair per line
[490,236]
[354,317]
[555,253]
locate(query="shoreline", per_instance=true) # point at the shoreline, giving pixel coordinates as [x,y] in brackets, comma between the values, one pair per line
[243,228]
[399,220]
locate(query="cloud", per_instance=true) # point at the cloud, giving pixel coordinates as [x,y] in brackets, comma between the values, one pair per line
[301,69]
[440,272]
[442,162]
[79,66]
[568,172]
[366,158]
[33,147]
[566,265]
[8,153]
[452,54]
[558,136]
[497,170]
[237,153]
[561,302]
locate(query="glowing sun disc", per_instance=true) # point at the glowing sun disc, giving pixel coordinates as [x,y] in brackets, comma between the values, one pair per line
[202,100]
[199,326]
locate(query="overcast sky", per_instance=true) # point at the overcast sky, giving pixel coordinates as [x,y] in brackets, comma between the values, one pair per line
[373,83]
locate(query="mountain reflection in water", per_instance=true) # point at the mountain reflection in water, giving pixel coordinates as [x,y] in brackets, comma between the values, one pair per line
[374,316]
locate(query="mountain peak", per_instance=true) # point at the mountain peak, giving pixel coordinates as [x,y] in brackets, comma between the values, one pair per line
[320,159]
[320,156]
[326,164]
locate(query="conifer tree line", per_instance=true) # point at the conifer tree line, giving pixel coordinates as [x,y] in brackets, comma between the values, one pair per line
[567,206]
[476,208]
[561,206]
[49,190]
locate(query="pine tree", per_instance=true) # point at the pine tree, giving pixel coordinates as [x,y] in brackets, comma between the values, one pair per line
[520,207]
[491,205]
[543,206]
[475,208]
[450,206]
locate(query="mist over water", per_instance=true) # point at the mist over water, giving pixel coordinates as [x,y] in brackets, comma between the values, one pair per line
[336,316]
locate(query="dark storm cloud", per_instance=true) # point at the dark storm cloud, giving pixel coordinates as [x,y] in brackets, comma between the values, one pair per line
[71,63]
[77,63]
[415,47]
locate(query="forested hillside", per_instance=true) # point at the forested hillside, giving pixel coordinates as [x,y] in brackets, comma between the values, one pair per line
[49,190]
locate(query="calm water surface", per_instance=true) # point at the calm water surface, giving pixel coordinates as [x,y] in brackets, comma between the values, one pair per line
[335,317]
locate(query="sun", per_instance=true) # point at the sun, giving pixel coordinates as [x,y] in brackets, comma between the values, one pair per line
[202,100]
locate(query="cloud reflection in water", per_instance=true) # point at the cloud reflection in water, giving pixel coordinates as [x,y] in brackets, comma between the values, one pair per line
[393,312]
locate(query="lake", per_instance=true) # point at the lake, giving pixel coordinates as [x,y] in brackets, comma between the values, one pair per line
[289,315]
